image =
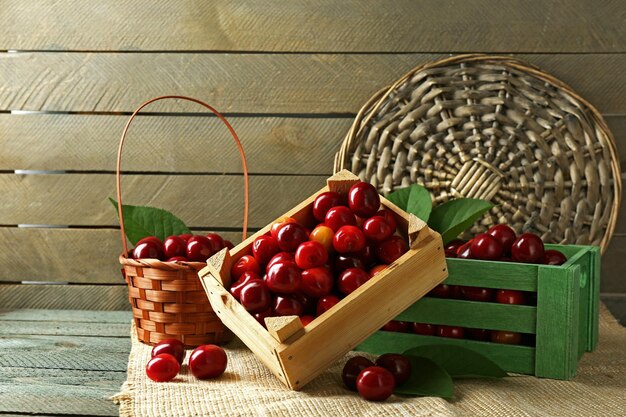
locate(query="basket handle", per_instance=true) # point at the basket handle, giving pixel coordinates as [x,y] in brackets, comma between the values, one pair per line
[119,162]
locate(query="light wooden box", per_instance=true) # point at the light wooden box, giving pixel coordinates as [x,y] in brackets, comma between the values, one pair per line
[564,321]
[295,354]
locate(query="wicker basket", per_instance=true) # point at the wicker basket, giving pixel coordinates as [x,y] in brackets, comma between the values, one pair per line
[495,128]
[167,298]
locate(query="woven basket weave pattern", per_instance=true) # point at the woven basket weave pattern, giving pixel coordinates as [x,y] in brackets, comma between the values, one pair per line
[497,129]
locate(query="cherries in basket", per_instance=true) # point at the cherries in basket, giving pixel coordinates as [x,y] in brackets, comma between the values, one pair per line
[186,247]
[305,268]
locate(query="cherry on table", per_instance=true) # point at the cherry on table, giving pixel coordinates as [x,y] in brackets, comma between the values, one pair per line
[506,337]
[326,303]
[317,282]
[324,202]
[174,347]
[245,278]
[510,297]
[174,246]
[264,248]
[280,257]
[284,277]
[351,279]
[348,239]
[505,235]
[486,247]
[425,329]
[391,249]
[339,216]
[377,229]
[246,263]
[208,361]
[148,249]
[375,383]
[255,296]
[528,248]
[290,236]
[453,332]
[554,257]
[352,369]
[162,368]
[311,254]
[199,248]
[398,365]
[285,305]
[363,199]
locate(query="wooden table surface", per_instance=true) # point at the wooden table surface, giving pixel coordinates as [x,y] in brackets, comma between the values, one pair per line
[62,362]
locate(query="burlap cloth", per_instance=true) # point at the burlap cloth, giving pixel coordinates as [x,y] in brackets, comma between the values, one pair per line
[248,389]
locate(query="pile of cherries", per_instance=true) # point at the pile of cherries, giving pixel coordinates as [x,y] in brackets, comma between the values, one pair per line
[205,362]
[294,271]
[376,381]
[499,243]
[185,248]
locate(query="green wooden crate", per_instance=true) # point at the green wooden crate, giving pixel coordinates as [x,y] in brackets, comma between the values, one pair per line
[564,322]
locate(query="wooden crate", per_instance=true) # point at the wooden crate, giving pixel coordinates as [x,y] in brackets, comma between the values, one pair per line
[564,321]
[295,354]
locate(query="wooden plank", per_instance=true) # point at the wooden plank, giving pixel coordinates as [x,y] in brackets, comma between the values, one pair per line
[63,328]
[613,280]
[64,352]
[286,145]
[59,392]
[269,83]
[617,124]
[616,303]
[406,25]
[77,316]
[200,200]
[76,297]
[65,255]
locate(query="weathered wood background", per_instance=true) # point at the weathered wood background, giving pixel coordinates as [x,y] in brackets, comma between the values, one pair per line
[290,76]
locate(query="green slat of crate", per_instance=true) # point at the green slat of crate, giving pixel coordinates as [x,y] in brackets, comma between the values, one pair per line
[558,297]
[492,316]
[501,275]
[593,326]
[519,359]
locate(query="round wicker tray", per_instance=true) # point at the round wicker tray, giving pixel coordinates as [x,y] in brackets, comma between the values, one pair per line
[495,128]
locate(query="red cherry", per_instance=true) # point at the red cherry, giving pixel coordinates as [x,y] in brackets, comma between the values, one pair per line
[280,223]
[554,257]
[207,361]
[284,305]
[174,246]
[377,269]
[255,296]
[397,326]
[306,320]
[177,259]
[423,328]
[344,262]
[228,244]
[339,216]
[528,248]
[326,303]
[173,347]
[280,257]
[246,263]
[377,229]
[148,249]
[284,277]
[368,254]
[506,337]
[352,369]
[217,243]
[453,332]
[482,335]
[441,291]
[375,383]
[290,236]
[244,279]
[486,247]
[503,234]
[199,248]
[510,297]
[162,368]
[316,282]
[324,235]
[477,294]
[363,199]
[151,239]
[391,249]
[348,239]
[464,251]
[260,317]
[389,217]
[351,279]
[185,236]
[398,365]
[452,247]
[324,202]
[310,255]
[264,248]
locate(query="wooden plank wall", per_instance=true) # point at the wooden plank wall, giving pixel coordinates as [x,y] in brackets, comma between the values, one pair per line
[290,76]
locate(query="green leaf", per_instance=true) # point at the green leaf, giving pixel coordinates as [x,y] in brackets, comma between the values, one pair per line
[142,221]
[400,197]
[427,380]
[458,361]
[452,217]
[419,202]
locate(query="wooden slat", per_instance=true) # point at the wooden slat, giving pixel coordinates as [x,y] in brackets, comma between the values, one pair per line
[61,328]
[286,145]
[293,83]
[76,316]
[200,200]
[87,256]
[613,264]
[617,124]
[406,25]
[76,297]
[59,392]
